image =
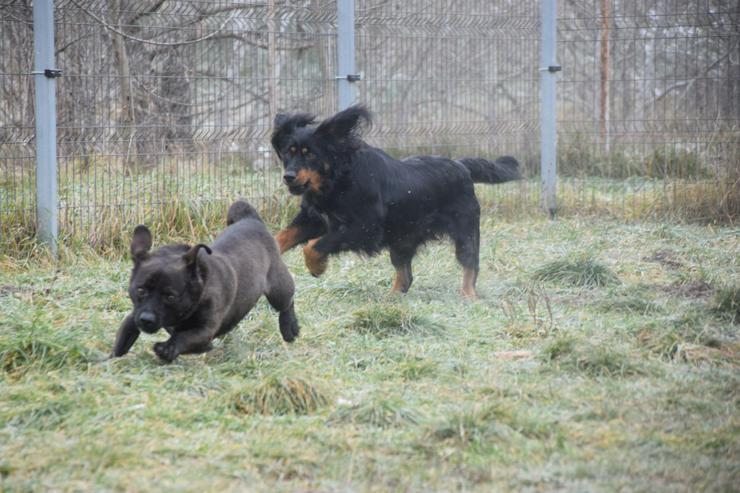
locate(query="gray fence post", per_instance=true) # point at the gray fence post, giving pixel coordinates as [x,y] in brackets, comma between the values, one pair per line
[548,104]
[46,122]
[346,77]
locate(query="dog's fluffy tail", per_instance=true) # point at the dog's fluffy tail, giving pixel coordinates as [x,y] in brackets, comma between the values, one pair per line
[504,168]
[239,210]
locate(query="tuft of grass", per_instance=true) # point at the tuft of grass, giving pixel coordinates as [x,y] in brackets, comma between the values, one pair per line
[635,300]
[386,319]
[415,368]
[280,396]
[630,304]
[35,344]
[582,270]
[592,359]
[558,348]
[693,326]
[661,342]
[381,412]
[726,302]
[484,425]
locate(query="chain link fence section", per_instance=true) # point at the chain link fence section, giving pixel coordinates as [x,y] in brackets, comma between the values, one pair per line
[166,101]
[649,104]
[161,101]
[452,78]
[17,130]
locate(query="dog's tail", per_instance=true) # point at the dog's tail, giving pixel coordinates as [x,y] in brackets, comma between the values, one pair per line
[504,168]
[239,210]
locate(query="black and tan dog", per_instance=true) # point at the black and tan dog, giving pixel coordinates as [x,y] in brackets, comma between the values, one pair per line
[199,293]
[358,198]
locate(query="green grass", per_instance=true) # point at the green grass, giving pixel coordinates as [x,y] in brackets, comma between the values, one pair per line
[574,382]
[580,271]
[727,302]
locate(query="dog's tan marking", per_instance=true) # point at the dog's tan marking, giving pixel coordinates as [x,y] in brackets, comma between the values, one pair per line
[287,238]
[468,286]
[401,282]
[315,262]
[310,179]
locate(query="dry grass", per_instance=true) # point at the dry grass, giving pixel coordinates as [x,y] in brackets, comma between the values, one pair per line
[279,396]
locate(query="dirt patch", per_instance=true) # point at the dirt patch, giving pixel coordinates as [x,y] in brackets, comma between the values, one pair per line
[693,289]
[694,353]
[513,355]
[665,258]
[9,289]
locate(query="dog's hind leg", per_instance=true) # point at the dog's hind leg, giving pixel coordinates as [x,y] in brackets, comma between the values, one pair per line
[467,246]
[280,296]
[401,260]
[288,324]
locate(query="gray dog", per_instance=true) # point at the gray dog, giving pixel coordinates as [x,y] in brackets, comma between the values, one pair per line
[199,293]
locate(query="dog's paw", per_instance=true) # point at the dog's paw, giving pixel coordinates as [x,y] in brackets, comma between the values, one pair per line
[315,262]
[165,351]
[289,327]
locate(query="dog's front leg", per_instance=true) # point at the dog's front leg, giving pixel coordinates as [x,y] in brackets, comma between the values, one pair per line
[303,227]
[316,261]
[197,340]
[356,237]
[126,336]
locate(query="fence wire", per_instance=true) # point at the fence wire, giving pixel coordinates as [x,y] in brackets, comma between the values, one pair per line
[649,102]
[172,100]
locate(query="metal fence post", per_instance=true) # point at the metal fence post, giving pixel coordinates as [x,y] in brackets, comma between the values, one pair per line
[346,77]
[46,122]
[548,104]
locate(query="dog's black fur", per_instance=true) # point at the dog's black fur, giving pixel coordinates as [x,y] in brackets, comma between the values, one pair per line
[199,293]
[356,197]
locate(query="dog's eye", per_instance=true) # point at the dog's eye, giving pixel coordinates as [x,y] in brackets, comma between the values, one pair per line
[171,298]
[140,292]
[292,149]
[306,152]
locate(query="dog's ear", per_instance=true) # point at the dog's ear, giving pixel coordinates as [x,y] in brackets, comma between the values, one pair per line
[191,256]
[141,243]
[285,124]
[346,124]
[196,269]
[280,118]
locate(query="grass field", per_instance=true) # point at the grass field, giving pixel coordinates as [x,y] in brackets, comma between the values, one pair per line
[602,356]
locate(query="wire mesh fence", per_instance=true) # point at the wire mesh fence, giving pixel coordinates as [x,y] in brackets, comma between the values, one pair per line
[452,78]
[649,104]
[172,100]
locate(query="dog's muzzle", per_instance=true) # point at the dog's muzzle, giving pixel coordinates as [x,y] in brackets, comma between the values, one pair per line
[294,187]
[289,177]
[147,321]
